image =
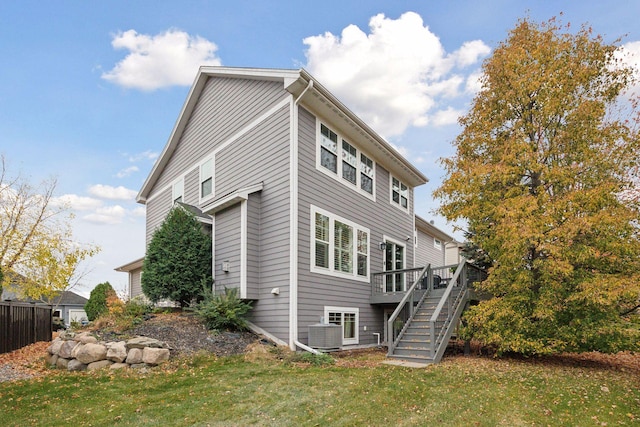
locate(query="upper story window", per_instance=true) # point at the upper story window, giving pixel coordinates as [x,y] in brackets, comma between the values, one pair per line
[177,191]
[206,178]
[343,161]
[339,247]
[437,244]
[399,193]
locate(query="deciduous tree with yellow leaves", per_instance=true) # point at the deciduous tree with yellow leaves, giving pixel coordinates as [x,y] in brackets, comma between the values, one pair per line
[36,239]
[545,155]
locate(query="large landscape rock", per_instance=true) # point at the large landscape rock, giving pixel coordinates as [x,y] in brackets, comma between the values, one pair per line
[55,346]
[90,353]
[67,348]
[155,356]
[99,365]
[142,342]
[86,338]
[134,356]
[76,365]
[117,352]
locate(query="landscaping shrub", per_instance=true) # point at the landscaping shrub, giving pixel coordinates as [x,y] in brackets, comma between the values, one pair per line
[97,303]
[223,311]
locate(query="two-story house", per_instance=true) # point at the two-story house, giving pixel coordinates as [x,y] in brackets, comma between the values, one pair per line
[308,207]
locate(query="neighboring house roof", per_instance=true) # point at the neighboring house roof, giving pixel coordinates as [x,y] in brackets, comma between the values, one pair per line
[66,298]
[133,265]
[317,97]
[70,298]
[428,227]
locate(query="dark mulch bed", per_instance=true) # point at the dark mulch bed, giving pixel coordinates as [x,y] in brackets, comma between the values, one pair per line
[185,334]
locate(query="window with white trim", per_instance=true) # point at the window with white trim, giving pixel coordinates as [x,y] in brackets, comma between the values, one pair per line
[343,161]
[177,191]
[206,179]
[437,244]
[348,318]
[339,247]
[399,193]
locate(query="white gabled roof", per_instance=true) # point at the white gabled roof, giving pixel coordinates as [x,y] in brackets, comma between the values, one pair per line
[317,98]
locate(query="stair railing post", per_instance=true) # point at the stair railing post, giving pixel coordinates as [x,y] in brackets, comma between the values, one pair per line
[432,327]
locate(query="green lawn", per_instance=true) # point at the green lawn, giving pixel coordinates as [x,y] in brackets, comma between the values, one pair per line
[230,391]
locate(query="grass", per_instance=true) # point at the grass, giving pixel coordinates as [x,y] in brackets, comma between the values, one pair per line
[205,391]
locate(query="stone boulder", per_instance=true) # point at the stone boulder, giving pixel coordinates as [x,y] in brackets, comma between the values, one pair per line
[99,365]
[67,348]
[118,366]
[143,342]
[76,365]
[51,359]
[154,356]
[62,363]
[117,352]
[55,346]
[90,353]
[134,356]
[86,338]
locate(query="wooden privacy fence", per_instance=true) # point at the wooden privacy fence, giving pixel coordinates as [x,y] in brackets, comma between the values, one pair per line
[22,324]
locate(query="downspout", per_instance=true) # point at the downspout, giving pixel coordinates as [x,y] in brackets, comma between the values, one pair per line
[293,237]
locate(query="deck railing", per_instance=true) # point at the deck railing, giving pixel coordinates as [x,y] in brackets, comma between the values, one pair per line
[395,281]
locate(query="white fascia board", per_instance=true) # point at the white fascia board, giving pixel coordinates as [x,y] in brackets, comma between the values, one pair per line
[130,266]
[231,199]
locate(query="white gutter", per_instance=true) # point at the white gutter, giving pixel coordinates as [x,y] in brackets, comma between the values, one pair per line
[293,236]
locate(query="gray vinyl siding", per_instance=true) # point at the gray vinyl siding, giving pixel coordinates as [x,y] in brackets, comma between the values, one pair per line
[381,218]
[253,246]
[262,155]
[135,282]
[426,253]
[227,248]
[191,187]
[225,106]
[157,209]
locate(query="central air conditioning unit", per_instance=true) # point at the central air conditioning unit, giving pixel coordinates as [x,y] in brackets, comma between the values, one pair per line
[323,336]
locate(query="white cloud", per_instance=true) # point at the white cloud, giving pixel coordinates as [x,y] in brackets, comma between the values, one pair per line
[127,172]
[394,76]
[167,59]
[474,83]
[446,117]
[629,54]
[107,215]
[140,211]
[112,193]
[75,202]
[145,155]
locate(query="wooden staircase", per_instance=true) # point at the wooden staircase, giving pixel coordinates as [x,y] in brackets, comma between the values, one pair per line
[426,333]
[415,342]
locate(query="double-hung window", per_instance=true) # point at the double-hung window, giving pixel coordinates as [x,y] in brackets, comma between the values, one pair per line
[328,149]
[366,173]
[437,244]
[177,191]
[339,247]
[206,178]
[343,161]
[399,193]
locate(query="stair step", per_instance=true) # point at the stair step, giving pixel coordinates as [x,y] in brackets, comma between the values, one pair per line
[413,352]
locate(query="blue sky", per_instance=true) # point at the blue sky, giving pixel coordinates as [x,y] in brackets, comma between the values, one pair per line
[89,91]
